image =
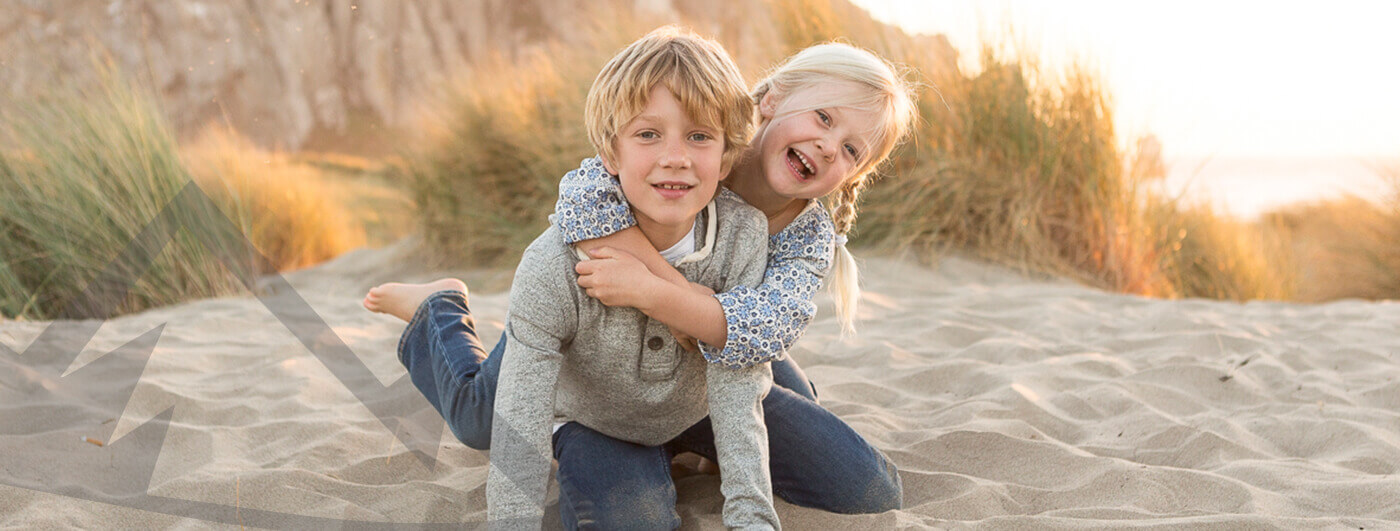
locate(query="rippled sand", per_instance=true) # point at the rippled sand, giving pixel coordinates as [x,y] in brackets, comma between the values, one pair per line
[1005,402]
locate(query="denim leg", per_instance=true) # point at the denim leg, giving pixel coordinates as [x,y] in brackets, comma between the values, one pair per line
[816,459]
[605,483]
[788,375]
[446,362]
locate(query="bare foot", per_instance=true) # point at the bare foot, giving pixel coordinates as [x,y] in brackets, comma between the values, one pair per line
[708,467]
[688,464]
[402,300]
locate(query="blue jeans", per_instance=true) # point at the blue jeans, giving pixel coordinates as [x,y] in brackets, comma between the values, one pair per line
[815,458]
[445,360]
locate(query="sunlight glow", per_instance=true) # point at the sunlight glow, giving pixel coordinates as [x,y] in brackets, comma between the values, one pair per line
[1211,79]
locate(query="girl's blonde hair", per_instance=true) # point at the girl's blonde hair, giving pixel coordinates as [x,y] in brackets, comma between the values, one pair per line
[890,97]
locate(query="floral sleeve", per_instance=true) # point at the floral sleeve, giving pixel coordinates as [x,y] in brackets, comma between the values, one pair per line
[765,321]
[591,204]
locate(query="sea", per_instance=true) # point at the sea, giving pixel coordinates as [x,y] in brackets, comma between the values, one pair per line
[1246,187]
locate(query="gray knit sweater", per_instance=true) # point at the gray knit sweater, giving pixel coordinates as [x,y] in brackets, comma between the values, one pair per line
[622,374]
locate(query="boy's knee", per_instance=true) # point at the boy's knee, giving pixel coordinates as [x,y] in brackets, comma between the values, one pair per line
[473,430]
[474,439]
[633,512]
[469,413]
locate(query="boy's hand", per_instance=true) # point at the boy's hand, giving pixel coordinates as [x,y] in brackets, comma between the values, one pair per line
[687,342]
[616,278]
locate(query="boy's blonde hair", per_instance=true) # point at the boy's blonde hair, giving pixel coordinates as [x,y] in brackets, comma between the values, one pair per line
[890,97]
[696,69]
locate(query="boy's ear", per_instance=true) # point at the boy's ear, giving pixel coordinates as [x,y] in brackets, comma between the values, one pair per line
[607,165]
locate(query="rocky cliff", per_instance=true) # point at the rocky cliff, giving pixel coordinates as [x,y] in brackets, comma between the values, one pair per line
[285,72]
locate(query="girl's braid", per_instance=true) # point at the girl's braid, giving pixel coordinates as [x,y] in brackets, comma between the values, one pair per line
[843,211]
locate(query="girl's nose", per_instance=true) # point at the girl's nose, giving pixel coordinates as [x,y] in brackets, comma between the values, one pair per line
[823,145]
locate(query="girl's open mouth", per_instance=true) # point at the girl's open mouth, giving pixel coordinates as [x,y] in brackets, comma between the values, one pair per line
[799,165]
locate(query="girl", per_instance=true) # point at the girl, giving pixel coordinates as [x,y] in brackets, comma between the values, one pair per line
[828,116]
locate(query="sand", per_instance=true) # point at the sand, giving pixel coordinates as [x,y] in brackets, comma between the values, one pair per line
[1006,402]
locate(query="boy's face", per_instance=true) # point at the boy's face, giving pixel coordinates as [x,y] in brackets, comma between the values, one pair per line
[668,164]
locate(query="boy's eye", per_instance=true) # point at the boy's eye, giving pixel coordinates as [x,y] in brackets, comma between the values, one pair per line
[649,135]
[699,137]
[826,119]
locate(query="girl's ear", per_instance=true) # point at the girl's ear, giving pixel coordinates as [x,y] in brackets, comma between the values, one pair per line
[768,104]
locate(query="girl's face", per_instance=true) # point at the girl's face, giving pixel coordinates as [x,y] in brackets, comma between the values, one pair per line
[808,153]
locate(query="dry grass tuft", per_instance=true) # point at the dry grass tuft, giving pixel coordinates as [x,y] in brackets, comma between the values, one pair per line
[290,211]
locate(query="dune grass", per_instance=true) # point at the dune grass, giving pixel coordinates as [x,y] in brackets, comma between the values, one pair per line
[1017,174]
[289,210]
[1345,248]
[486,172]
[81,172]
[1009,164]
[1385,257]
[1024,168]
[369,190]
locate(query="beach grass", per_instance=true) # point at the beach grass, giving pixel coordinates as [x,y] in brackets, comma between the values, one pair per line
[82,170]
[1008,163]
[290,211]
[1346,248]
[485,173]
[370,189]
[1387,255]
[1023,167]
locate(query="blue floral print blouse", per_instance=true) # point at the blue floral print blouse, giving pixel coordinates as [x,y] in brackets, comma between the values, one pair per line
[764,321]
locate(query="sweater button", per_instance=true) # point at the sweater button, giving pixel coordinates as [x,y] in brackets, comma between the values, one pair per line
[655,343]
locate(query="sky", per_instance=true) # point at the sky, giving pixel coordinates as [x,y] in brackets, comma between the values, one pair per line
[1211,79]
[1257,104]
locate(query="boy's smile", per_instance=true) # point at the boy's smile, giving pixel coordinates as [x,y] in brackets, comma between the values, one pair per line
[669,166]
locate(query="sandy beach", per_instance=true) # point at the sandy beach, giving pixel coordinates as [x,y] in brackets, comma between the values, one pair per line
[1006,402]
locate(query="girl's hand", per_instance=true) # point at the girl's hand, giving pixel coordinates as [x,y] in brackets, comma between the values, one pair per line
[617,278]
[686,342]
[702,289]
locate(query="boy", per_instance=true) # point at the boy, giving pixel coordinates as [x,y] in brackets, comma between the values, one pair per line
[669,116]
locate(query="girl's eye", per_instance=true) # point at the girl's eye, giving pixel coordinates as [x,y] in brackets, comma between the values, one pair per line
[826,119]
[852,150]
[699,137]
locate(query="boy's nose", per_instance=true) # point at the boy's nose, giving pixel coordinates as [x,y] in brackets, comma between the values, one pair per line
[675,156]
